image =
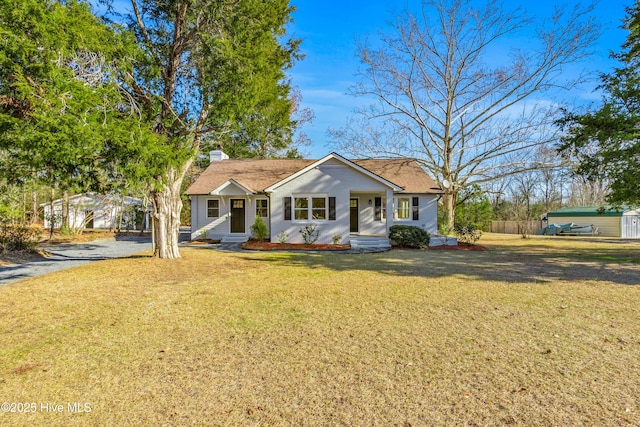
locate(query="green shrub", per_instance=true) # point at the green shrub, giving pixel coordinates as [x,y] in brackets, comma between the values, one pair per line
[467,233]
[18,237]
[259,230]
[409,236]
[310,233]
[282,237]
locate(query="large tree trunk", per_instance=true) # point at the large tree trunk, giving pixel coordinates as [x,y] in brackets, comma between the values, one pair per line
[449,205]
[167,204]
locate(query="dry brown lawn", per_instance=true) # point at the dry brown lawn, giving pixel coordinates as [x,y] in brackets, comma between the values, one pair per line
[531,332]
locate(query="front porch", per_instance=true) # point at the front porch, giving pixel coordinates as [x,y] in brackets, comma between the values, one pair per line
[370,213]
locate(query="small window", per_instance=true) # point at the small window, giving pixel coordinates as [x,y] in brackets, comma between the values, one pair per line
[319,208]
[301,208]
[261,208]
[404,208]
[213,208]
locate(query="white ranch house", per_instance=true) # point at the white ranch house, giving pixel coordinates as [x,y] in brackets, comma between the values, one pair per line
[357,200]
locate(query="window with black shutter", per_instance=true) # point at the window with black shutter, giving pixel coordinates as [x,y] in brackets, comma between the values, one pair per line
[332,208]
[416,208]
[287,208]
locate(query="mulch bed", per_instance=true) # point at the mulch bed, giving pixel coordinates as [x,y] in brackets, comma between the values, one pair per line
[274,246]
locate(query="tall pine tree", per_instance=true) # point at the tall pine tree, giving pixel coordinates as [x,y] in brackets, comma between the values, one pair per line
[61,108]
[211,70]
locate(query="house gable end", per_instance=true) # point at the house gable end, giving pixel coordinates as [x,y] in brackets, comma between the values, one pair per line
[231,188]
[329,161]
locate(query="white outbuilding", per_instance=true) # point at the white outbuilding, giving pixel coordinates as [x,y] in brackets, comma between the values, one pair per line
[99,211]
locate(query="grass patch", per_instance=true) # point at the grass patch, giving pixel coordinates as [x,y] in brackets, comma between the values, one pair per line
[522,334]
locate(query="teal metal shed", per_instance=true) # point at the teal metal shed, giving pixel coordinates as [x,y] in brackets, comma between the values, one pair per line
[623,222]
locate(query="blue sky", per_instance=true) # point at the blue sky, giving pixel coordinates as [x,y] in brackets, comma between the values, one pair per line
[329,30]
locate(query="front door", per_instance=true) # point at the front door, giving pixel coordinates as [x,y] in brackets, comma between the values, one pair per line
[353,209]
[237,216]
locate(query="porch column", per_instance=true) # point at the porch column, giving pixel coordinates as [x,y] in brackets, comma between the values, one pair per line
[389,217]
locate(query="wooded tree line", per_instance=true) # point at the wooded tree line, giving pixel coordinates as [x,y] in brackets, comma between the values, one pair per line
[126,100]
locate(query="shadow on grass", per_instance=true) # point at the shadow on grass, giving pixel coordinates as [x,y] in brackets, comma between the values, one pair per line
[534,264]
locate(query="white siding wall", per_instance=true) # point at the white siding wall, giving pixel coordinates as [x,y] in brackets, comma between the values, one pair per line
[199,219]
[608,226]
[333,179]
[201,224]
[631,227]
[427,212]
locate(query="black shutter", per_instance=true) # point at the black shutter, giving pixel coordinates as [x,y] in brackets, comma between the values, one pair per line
[287,208]
[332,208]
[378,210]
[416,212]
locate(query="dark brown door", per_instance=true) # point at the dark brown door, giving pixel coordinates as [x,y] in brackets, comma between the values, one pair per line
[353,209]
[237,216]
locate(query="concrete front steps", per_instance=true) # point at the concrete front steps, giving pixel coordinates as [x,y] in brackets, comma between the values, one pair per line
[439,240]
[370,243]
[241,238]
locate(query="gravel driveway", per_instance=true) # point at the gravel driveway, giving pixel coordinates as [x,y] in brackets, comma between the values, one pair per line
[71,255]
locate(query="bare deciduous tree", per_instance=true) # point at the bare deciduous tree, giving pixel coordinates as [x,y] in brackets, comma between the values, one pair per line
[448,93]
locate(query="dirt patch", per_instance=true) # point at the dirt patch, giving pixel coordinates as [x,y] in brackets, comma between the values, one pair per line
[21,370]
[83,237]
[273,246]
[20,257]
[459,247]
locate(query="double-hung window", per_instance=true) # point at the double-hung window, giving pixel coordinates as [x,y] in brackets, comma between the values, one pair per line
[213,208]
[301,208]
[404,208]
[262,209]
[318,208]
[310,207]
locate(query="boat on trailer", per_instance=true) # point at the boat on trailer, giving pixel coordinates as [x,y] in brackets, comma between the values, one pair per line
[570,229]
